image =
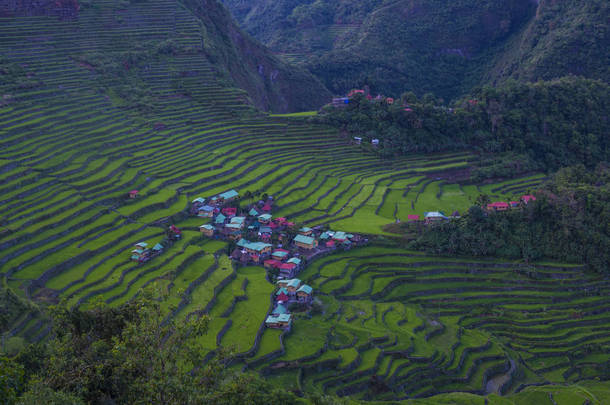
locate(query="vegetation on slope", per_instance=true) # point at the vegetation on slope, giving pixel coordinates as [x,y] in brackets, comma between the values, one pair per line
[433,46]
[544,125]
[568,222]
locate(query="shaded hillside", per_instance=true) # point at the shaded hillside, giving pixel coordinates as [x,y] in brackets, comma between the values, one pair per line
[238,59]
[433,46]
[272,84]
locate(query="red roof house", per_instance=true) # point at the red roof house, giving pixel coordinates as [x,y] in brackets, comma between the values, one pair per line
[527,198]
[267,207]
[272,264]
[330,243]
[354,92]
[133,193]
[498,206]
[287,266]
[229,211]
[175,230]
[282,297]
[413,217]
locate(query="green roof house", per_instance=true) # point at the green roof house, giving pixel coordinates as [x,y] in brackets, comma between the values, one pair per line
[305,242]
[229,195]
[220,219]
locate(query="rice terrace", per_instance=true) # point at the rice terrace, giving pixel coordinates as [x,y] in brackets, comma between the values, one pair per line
[89,168]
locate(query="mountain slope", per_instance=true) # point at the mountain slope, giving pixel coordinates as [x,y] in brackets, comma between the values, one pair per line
[271,83]
[433,46]
[238,60]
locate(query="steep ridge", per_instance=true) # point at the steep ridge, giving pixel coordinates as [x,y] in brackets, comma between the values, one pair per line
[446,48]
[236,58]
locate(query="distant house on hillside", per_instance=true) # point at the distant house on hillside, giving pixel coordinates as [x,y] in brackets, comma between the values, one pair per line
[498,206]
[412,218]
[527,198]
[353,92]
[375,142]
[133,193]
[434,216]
[339,102]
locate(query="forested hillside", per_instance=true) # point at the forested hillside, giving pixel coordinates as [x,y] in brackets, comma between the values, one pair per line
[433,46]
[524,126]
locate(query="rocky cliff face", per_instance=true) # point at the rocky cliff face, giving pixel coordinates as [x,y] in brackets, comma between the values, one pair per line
[272,84]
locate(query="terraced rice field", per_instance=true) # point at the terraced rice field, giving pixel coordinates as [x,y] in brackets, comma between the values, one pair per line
[395,323]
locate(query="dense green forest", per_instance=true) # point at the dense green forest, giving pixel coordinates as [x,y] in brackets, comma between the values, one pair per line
[433,46]
[569,221]
[526,126]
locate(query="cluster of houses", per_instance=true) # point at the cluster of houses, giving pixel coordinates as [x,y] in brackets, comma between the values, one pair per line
[339,102]
[505,206]
[289,291]
[262,239]
[437,216]
[273,242]
[142,253]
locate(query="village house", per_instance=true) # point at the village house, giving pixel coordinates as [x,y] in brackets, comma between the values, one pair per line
[353,92]
[229,212]
[138,254]
[498,206]
[412,218]
[282,295]
[157,249]
[305,242]
[228,196]
[253,212]
[205,211]
[220,219]
[257,248]
[280,254]
[304,294]
[287,270]
[435,216]
[527,198]
[293,285]
[305,231]
[264,219]
[375,142]
[279,322]
[279,309]
[272,264]
[207,230]
[198,201]
[141,245]
[133,193]
[240,221]
[357,140]
[338,102]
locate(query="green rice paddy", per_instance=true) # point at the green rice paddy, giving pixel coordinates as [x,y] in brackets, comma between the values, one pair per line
[392,323]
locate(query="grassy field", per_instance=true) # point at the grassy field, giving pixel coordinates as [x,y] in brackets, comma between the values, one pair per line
[74,144]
